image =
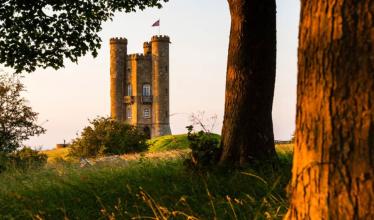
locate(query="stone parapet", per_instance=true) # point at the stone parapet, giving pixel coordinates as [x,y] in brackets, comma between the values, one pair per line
[118,40]
[137,56]
[160,38]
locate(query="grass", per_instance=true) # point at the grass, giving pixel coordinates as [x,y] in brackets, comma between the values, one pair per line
[56,154]
[145,187]
[158,144]
[284,149]
[168,142]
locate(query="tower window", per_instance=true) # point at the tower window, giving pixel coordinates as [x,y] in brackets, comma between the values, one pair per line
[147,113]
[146,90]
[128,112]
[129,89]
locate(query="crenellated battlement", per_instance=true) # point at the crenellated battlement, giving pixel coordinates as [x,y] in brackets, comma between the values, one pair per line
[147,46]
[160,38]
[118,40]
[137,56]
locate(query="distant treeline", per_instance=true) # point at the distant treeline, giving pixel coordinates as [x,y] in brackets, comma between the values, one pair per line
[283,142]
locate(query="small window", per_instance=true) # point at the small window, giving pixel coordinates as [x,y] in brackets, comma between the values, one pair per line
[129,89]
[146,90]
[147,113]
[128,112]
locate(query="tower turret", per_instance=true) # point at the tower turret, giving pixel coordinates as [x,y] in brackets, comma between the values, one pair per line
[160,81]
[147,46]
[118,54]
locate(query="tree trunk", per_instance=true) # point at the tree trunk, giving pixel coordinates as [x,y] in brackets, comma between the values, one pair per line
[247,133]
[333,168]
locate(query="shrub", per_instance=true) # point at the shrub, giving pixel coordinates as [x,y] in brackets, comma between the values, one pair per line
[106,136]
[205,148]
[23,159]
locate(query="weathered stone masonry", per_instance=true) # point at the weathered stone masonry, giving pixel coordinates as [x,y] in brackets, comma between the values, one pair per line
[139,85]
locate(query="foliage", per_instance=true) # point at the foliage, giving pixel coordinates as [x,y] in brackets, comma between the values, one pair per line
[205,148]
[42,33]
[23,159]
[17,120]
[168,142]
[141,189]
[106,136]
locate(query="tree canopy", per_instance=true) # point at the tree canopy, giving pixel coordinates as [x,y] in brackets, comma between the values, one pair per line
[44,33]
[17,120]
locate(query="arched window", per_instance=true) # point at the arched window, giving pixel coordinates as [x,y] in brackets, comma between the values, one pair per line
[147,113]
[146,90]
[128,112]
[129,89]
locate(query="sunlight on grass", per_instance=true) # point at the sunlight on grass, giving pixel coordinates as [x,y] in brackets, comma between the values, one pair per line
[57,154]
[149,185]
[142,188]
[284,148]
[168,142]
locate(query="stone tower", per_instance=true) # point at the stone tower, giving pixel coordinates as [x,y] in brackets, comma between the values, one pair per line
[160,75]
[140,85]
[118,53]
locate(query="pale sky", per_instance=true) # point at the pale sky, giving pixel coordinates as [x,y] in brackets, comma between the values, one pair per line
[199,32]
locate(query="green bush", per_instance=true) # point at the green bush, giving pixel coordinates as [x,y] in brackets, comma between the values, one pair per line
[205,148]
[23,159]
[106,136]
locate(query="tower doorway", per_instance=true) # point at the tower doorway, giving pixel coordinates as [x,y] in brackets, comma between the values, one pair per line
[147,132]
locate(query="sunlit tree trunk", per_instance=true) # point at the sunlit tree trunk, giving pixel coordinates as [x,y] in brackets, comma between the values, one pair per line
[333,168]
[247,133]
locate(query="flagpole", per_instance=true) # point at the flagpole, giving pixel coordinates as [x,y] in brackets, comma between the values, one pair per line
[157,23]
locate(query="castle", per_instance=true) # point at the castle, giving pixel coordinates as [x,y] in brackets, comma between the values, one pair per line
[139,85]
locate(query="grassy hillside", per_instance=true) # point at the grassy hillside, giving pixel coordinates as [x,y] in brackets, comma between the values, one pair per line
[142,189]
[56,154]
[145,186]
[159,144]
[284,149]
[170,142]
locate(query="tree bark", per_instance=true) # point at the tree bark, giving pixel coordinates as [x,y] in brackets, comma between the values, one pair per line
[333,166]
[247,133]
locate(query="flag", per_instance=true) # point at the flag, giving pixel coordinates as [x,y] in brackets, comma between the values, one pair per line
[156,24]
